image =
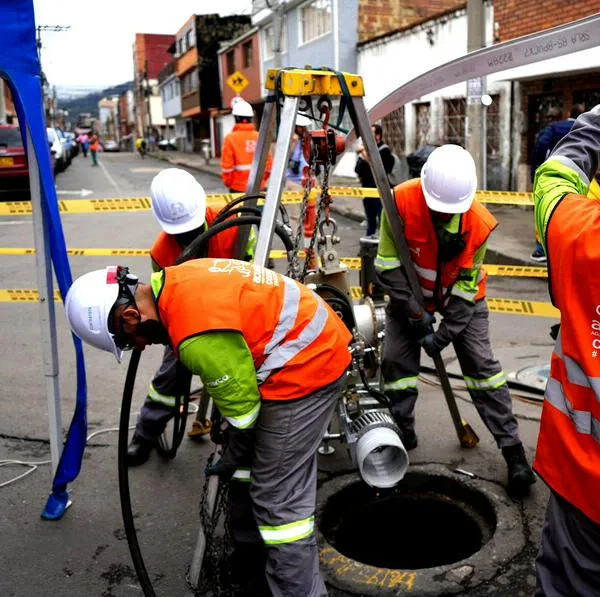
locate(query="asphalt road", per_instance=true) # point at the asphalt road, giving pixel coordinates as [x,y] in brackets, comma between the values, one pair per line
[85,554]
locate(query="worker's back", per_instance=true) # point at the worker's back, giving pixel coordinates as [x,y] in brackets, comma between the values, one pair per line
[237,156]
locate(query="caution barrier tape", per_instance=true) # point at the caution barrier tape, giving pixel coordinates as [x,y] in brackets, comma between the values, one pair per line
[88,206]
[496,305]
[353,263]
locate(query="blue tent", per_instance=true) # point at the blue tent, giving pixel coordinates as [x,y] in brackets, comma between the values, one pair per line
[20,69]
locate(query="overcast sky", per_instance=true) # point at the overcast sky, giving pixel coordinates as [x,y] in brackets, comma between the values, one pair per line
[97,50]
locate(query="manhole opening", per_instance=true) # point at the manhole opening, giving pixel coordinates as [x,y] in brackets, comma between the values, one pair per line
[425,521]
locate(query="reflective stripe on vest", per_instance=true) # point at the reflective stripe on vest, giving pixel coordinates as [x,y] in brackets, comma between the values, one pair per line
[279,354]
[241,474]
[242,168]
[583,420]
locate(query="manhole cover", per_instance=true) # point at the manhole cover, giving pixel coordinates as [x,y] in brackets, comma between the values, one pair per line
[434,533]
[425,521]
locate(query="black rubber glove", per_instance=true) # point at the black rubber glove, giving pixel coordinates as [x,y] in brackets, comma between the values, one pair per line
[223,471]
[421,326]
[431,345]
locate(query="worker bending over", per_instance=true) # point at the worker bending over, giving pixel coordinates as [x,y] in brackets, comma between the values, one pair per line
[446,233]
[272,355]
[568,450]
[179,205]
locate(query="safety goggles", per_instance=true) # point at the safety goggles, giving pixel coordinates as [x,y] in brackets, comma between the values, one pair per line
[127,286]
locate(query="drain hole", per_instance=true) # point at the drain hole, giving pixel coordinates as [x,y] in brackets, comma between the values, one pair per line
[425,521]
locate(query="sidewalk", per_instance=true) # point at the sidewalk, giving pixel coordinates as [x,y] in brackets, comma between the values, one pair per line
[511,244]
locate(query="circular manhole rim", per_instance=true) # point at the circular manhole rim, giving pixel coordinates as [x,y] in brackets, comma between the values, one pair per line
[357,578]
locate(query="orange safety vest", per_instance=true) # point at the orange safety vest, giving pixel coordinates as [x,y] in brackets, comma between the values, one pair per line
[436,279]
[166,249]
[94,143]
[237,156]
[568,449]
[298,343]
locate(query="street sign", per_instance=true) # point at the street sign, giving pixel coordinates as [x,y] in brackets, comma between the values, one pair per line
[237,81]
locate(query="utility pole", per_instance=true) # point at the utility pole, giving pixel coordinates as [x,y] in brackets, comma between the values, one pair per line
[476,131]
[39,29]
[147,94]
[277,8]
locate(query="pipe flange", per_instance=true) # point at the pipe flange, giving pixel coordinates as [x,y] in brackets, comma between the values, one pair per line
[367,419]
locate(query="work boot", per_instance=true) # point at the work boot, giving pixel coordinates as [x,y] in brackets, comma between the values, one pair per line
[139,450]
[520,475]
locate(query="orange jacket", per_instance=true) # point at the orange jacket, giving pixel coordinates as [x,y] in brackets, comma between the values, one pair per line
[94,143]
[166,249]
[436,279]
[298,343]
[237,156]
[568,449]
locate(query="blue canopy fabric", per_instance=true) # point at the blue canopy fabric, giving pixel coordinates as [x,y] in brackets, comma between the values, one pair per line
[20,69]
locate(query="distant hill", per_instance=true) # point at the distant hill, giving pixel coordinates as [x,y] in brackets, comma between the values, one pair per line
[89,102]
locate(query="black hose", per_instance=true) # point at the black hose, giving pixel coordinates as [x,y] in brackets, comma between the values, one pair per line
[128,522]
[254,211]
[284,215]
[379,396]
[195,247]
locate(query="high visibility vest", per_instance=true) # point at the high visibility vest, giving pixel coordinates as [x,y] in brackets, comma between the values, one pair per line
[298,343]
[568,449]
[237,155]
[166,249]
[435,278]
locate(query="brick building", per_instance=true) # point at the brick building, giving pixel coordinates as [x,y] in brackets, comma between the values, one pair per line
[150,55]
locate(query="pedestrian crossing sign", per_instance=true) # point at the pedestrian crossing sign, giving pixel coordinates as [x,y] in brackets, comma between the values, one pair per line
[237,81]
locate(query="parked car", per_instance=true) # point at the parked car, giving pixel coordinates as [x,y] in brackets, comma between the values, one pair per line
[14,173]
[165,144]
[59,150]
[111,145]
[67,144]
[74,144]
[14,170]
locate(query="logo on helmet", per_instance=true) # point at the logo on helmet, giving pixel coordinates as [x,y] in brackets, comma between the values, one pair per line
[178,210]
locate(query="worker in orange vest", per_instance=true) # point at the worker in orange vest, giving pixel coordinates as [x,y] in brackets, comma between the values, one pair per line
[178,202]
[568,450]
[274,361]
[446,233]
[238,150]
[94,147]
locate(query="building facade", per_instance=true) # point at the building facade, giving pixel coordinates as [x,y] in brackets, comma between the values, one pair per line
[150,55]
[170,94]
[520,97]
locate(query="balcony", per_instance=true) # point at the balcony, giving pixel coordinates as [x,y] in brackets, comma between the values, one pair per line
[166,72]
[190,103]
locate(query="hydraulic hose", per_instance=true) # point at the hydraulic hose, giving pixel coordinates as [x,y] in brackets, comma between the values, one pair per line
[254,211]
[126,512]
[284,215]
[197,245]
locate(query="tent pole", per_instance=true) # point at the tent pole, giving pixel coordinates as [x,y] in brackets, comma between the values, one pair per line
[43,268]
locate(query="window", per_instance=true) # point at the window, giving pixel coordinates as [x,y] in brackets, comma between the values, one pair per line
[247,54]
[230,57]
[180,46]
[423,113]
[455,111]
[315,20]
[189,82]
[188,39]
[269,40]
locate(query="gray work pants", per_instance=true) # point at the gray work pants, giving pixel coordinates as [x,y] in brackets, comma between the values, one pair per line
[568,562]
[283,490]
[171,380]
[482,372]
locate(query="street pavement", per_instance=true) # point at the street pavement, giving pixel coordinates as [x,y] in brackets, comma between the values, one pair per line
[85,554]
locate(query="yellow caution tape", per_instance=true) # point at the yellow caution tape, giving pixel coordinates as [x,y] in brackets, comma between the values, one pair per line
[353,263]
[87,206]
[496,305]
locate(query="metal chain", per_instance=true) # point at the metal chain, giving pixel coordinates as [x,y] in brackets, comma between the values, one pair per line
[215,564]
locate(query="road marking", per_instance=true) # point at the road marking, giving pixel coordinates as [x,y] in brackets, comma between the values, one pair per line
[110,178]
[495,305]
[23,208]
[82,193]
[13,223]
[146,170]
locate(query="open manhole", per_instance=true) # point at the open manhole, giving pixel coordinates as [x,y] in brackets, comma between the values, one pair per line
[434,532]
[425,521]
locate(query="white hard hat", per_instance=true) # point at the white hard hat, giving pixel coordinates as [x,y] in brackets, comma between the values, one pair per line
[242,108]
[88,304]
[449,180]
[302,120]
[178,201]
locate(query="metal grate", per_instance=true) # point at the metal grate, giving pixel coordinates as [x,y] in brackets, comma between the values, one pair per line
[393,130]
[454,120]
[493,127]
[423,124]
